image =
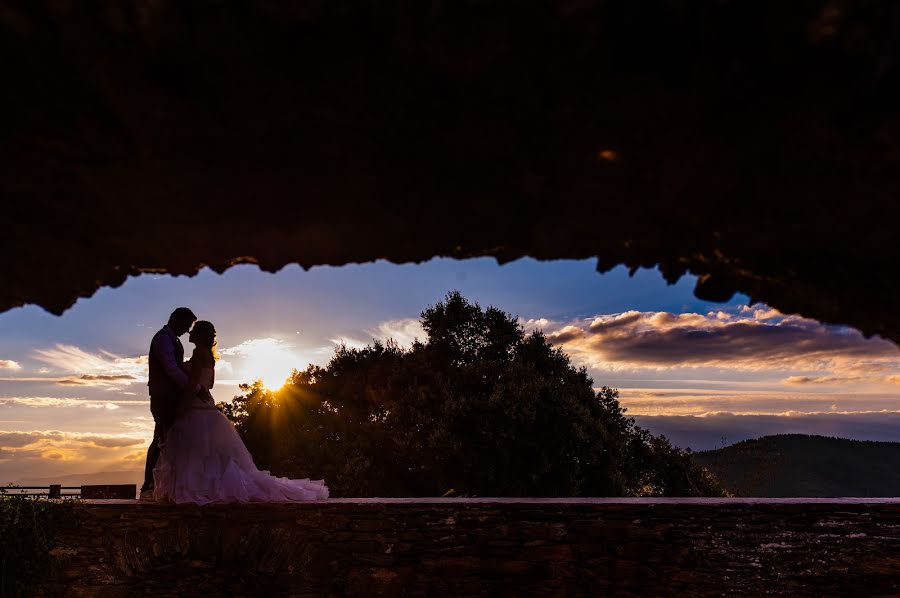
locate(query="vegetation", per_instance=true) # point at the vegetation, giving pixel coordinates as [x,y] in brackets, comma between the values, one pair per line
[27,528]
[807,466]
[478,408]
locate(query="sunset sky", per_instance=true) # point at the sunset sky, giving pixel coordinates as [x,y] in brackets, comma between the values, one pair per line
[73,395]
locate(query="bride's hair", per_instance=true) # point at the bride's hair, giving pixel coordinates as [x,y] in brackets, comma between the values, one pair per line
[205,335]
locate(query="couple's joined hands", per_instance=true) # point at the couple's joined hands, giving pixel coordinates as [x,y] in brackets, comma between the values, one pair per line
[200,392]
[204,395]
[185,403]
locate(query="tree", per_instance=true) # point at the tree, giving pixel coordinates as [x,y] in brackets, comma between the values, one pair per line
[479,407]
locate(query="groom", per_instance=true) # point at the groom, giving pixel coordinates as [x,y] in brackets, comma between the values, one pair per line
[167,382]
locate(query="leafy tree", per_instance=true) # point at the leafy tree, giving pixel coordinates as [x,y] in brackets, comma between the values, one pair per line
[479,408]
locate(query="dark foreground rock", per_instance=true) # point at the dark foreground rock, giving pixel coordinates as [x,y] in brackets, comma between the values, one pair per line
[488,546]
[755,143]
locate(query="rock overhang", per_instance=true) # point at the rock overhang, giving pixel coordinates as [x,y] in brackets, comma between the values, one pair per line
[756,145]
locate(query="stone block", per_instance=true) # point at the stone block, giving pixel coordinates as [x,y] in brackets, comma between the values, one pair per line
[107,491]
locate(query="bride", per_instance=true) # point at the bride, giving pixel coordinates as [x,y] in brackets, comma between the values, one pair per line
[202,458]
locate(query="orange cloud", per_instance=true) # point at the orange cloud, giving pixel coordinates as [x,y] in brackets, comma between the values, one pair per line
[58,440]
[9,364]
[823,379]
[64,402]
[702,402]
[136,456]
[59,453]
[98,380]
[751,340]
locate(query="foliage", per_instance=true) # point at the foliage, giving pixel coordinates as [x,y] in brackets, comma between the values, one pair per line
[27,528]
[480,408]
[650,464]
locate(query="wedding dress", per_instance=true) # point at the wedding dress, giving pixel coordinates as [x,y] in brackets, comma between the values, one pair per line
[203,460]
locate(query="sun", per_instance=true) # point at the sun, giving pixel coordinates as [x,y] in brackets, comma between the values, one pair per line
[269,359]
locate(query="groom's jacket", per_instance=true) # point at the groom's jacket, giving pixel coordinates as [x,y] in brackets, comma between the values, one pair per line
[166,378]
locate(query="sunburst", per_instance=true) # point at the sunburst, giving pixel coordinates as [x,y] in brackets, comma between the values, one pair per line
[268,359]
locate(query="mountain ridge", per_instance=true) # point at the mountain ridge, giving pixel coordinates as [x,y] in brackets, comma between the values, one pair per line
[801,465]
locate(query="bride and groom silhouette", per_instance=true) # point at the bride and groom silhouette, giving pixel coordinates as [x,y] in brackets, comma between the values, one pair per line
[196,455]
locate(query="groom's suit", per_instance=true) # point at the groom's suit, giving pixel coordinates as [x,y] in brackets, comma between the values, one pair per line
[166,383]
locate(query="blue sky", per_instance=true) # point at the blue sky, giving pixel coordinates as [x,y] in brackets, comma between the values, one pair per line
[73,395]
[244,298]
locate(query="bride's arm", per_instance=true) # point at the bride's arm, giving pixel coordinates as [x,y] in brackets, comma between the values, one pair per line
[195,370]
[200,361]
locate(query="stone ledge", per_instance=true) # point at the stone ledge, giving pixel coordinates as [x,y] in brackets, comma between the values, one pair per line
[698,547]
[507,500]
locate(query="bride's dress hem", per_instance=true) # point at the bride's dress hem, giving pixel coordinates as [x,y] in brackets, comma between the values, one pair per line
[204,461]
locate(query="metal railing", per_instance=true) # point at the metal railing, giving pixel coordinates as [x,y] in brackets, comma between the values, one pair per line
[53,491]
[85,491]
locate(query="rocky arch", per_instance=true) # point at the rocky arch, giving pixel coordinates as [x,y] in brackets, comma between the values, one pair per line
[754,143]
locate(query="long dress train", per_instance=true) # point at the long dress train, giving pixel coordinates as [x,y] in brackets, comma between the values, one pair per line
[203,460]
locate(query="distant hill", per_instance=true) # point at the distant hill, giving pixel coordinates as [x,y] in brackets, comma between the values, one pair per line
[81,479]
[799,465]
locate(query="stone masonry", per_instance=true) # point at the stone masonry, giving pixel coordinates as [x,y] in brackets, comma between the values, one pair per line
[507,547]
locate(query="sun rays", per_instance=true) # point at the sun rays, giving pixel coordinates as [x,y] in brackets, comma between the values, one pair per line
[268,359]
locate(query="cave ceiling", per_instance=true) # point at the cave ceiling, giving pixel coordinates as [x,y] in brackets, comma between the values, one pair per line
[755,144]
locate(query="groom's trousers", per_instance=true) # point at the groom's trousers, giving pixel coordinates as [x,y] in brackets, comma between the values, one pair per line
[163,410]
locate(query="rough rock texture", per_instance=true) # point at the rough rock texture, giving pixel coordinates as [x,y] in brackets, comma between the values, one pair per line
[488,547]
[755,143]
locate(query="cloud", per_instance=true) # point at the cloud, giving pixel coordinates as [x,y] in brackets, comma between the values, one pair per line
[403,331]
[98,380]
[749,340]
[567,335]
[93,369]
[139,424]
[135,456]
[60,454]
[822,379]
[702,402]
[19,454]
[65,402]
[9,364]
[255,346]
[535,324]
[111,441]
[58,440]
[22,439]
[351,343]
[64,453]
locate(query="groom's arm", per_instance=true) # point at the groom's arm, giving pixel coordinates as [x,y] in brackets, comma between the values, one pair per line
[164,350]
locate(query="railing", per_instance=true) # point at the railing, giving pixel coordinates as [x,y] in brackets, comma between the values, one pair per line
[53,491]
[57,491]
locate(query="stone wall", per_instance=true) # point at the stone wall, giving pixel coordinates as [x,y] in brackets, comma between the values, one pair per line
[483,546]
